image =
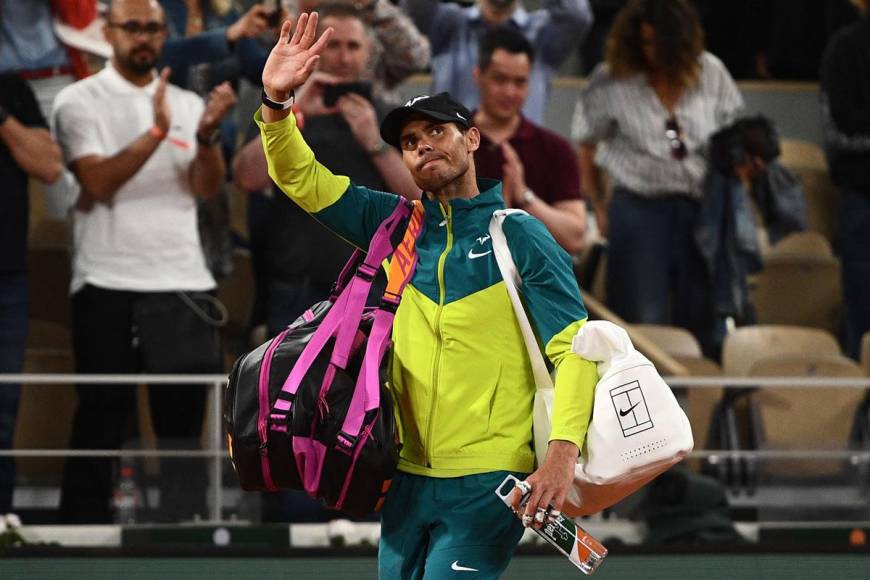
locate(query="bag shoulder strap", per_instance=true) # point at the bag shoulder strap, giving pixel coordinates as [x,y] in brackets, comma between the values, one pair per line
[366,395]
[512,280]
[343,318]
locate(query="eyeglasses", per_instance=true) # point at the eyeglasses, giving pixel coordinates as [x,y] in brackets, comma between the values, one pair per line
[134,28]
[675,139]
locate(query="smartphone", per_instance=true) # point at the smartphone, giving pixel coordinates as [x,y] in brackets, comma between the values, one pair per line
[273,8]
[331,93]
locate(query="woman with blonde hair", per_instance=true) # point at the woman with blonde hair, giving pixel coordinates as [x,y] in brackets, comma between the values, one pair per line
[645,118]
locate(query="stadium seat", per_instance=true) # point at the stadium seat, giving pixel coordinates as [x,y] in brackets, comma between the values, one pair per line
[49,267]
[48,334]
[801,291]
[865,353]
[732,425]
[747,344]
[807,161]
[237,293]
[811,418]
[802,244]
[44,416]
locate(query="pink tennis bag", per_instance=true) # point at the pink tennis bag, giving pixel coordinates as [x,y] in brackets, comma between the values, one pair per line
[310,409]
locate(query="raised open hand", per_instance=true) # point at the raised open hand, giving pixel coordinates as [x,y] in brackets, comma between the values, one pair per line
[292,59]
[220,101]
[162,114]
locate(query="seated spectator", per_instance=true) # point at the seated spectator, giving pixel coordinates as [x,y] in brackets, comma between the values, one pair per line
[645,119]
[26,150]
[455,34]
[142,150]
[537,167]
[845,105]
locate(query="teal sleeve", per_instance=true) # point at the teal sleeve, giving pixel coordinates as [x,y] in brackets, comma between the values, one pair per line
[549,286]
[555,306]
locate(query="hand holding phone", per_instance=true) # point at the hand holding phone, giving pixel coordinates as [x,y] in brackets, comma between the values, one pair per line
[331,93]
[273,12]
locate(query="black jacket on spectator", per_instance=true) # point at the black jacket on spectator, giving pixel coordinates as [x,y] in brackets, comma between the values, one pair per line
[845,85]
[18,100]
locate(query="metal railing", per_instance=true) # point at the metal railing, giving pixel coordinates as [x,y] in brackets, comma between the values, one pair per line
[214,450]
[216,453]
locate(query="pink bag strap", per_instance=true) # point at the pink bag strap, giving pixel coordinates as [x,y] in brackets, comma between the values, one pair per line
[344,316]
[366,396]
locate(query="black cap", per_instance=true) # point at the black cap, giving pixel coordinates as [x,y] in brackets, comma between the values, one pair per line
[441,107]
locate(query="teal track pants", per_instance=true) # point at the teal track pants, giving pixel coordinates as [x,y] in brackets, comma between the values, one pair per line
[433,528]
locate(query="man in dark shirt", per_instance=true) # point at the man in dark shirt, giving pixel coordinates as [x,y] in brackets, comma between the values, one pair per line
[538,168]
[344,136]
[26,149]
[845,88]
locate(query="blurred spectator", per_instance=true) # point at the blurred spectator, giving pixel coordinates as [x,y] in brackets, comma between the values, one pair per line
[142,150]
[794,33]
[398,49]
[30,48]
[455,33]
[236,52]
[592,48]
[230,38]
[26,150]
[344,136]
[845,85]
[301,258]
[538,168]
[645,118]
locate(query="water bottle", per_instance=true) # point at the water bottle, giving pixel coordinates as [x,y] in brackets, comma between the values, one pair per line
[575,543]
[126,497]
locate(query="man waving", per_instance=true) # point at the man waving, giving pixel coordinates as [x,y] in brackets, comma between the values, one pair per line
[460,373]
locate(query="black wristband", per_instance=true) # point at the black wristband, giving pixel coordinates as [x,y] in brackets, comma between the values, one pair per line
[276,105]
[4,114]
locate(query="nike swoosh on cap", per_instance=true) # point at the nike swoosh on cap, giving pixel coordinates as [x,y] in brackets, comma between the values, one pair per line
[627,411]
[455,566]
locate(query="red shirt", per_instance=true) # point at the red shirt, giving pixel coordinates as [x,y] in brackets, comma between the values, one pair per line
[549,162]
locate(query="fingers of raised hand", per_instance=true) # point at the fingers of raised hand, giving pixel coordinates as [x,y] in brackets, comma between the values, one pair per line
[300,28]
[161,85]
[284,35]
[310,30]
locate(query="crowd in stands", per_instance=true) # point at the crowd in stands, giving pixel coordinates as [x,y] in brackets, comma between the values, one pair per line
[143,152]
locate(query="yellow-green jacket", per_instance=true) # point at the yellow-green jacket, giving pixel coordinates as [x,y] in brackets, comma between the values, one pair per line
[460,373]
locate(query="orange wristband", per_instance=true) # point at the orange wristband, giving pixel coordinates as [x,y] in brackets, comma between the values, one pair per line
[157,132]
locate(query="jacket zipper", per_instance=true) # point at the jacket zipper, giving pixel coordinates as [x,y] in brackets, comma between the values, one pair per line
[448,216]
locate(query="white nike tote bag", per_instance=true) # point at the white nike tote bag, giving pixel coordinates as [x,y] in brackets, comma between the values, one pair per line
[637,430]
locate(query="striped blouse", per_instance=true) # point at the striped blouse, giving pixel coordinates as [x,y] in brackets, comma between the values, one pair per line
[627,121]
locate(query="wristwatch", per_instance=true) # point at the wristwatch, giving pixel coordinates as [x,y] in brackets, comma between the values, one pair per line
[277,105]
[527,197]
[209,141]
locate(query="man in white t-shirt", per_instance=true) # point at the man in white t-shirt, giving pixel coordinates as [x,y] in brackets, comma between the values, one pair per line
[142,150]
